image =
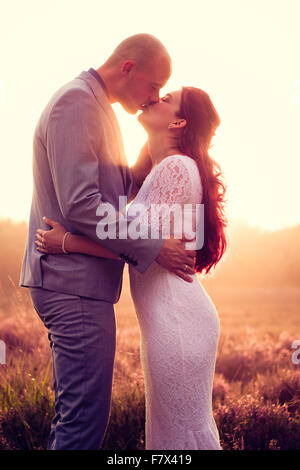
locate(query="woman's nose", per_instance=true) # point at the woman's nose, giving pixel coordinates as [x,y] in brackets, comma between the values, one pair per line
[153,102]
[155,97]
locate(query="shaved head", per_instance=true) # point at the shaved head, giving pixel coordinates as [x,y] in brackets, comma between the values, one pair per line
[136,71]
[143,49]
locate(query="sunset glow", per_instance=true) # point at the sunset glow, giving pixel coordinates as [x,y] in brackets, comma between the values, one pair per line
[244,54]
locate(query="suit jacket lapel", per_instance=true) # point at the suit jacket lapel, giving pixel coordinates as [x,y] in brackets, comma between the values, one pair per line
[103,101]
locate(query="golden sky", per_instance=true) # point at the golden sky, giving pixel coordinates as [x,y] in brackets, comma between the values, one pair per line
[244,53]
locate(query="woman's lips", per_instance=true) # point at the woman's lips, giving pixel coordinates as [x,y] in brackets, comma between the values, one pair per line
[144,107]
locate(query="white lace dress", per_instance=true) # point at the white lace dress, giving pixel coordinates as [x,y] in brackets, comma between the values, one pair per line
[179,327]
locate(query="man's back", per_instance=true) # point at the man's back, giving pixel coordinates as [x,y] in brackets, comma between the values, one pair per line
[55,188]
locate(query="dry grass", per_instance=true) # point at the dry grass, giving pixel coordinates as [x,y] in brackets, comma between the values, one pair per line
[256,390]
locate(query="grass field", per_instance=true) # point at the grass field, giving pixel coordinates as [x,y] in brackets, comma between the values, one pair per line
[265,309]
[256,391]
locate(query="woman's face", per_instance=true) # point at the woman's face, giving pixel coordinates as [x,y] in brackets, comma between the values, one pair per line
[160,115]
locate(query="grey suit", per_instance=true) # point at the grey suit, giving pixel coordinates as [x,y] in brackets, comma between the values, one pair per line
[78,164]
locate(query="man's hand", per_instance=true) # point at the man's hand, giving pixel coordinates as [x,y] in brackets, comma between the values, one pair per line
[175,258]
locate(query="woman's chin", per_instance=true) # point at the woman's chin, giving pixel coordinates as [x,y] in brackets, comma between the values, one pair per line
[141,118]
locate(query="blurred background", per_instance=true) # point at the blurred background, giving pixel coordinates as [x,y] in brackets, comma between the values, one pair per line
[246,56]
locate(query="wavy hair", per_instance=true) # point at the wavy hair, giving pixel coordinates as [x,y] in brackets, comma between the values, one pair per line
[202,121]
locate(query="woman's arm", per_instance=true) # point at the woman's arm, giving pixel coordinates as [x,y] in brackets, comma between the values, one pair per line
[50,242]
[82,244]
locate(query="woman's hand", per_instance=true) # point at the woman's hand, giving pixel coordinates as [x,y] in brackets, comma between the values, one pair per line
[50,241]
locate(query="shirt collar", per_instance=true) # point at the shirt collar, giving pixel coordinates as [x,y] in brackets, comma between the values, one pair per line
[99,78]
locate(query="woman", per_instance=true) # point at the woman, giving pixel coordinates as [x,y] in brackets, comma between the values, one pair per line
[179,323]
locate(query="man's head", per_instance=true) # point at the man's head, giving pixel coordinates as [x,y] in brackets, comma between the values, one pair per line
[136,71]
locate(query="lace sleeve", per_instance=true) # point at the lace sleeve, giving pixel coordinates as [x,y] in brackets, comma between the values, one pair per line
[169,195]
[171,183]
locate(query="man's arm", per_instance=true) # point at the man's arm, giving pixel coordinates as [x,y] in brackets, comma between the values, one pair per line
[50,242]
[74,136]
[73,141]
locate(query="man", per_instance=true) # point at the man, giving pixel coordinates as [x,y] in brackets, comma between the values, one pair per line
[78,165]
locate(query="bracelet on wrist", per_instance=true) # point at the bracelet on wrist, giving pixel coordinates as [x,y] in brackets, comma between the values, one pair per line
[63,243]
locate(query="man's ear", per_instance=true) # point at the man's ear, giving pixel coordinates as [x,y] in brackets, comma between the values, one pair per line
[178,124]
[127,67]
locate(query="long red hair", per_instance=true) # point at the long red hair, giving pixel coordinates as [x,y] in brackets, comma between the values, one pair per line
[202,121]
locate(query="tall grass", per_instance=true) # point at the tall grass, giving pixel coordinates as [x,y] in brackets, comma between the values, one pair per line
[255,398]
[256,389]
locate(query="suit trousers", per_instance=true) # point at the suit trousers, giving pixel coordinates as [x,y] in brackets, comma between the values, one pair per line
[82,334]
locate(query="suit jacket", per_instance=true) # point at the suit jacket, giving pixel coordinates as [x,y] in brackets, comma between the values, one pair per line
[79,165]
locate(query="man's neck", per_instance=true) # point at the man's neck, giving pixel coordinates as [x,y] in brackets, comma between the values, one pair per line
[107,78]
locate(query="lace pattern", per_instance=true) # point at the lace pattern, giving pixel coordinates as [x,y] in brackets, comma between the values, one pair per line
[179,327]
[167,200]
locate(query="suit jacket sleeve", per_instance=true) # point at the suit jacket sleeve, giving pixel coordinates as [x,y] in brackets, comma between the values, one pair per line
[73,140]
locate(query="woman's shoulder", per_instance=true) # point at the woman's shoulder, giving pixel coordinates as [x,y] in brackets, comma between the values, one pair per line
[185,160]
[189,166]
[174,167]
[179,169]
